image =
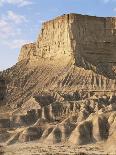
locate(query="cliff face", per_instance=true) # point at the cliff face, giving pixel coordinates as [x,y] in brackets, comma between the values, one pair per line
[54,39]
[52,43]
[66,48]
[28,52]
[64,84]
[86,39]
[63,48]
[93,39]
[93,43]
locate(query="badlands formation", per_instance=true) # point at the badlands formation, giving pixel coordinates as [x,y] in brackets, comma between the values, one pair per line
[60,97]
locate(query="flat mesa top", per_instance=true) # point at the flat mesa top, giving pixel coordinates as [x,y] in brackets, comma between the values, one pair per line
[73,15]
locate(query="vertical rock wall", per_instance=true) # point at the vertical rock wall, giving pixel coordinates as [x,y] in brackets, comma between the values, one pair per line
[54,40]
[93,39]
[85,38]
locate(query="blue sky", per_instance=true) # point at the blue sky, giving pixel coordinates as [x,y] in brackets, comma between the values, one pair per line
[20,20]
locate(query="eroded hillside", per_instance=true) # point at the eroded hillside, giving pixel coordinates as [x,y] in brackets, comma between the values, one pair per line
[63,88]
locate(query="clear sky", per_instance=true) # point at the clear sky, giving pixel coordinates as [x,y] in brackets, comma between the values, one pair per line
[20,20]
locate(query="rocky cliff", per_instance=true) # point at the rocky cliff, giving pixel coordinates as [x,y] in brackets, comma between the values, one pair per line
[63,87]
[89,41]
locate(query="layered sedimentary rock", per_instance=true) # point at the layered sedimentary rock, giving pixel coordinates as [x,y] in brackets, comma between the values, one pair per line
[63,88]
[89,41]
[28,52]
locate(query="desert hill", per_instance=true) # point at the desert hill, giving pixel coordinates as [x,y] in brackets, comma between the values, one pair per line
[63,87]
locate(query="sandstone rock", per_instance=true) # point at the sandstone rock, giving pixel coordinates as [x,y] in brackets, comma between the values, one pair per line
[30,134]
[55,136]
[100,128]
[63,87]
[110,145]
[28,52]
[77,35]
[82,134]
[47,132]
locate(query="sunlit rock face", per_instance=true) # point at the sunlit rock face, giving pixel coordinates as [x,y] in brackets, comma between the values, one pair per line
[27,52]
[72,51]
[88,40]
[63,88]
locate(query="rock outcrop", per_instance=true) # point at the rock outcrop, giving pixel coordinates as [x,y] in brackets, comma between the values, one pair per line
[89,41]
[63,88]
[28,52]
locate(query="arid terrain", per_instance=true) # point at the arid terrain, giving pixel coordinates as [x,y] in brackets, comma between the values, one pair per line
[35,148]
[60,97]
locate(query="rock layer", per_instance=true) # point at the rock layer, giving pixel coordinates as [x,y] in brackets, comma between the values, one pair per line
[63,88]
[89,41]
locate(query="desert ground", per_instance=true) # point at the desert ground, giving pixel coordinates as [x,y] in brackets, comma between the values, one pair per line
[35,148]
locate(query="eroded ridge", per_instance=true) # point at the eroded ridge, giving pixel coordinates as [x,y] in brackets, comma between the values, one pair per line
[63,88]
